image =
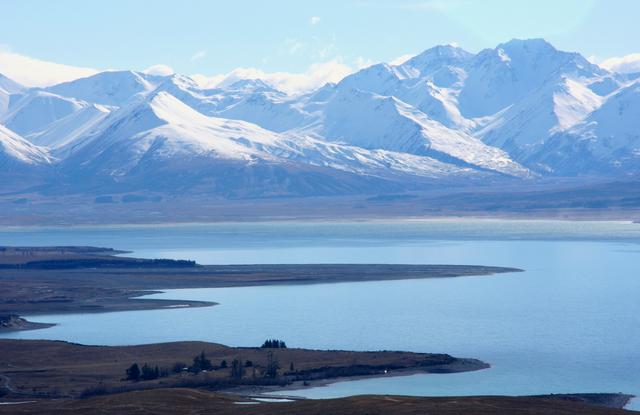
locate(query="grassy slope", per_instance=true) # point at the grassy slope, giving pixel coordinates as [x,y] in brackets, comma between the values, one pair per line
[50,368]
[195,402]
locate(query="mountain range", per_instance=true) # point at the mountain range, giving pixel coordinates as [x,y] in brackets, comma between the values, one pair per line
[522,112]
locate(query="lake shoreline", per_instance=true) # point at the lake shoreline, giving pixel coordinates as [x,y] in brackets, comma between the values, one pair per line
[82,280]
[89,372]
[57,369]
[623,217]
[13,322]
[462,365]
[604,399]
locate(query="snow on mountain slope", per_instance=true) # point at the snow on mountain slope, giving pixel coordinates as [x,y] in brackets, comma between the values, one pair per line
[500,77]
[515,95]
[429,81]
[443,65]
[606,142]
[375,122]
[162,144]
[440,104]
[186,90]
[112,88]
[405,83]
[444,115]
[247,100]
[164,139]
[381,79]
[268,111]
[63,131]
[16,152]
[8,87]
[35,110]
[572,102]
[164,127]
[527,124]
[380,163]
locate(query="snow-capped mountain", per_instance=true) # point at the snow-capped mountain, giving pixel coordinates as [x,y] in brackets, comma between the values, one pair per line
[443,65]
[164,139]
[525,126]
[500,77]
[35,110]
[521,111]
[373,121]
[608,140]
[419,82]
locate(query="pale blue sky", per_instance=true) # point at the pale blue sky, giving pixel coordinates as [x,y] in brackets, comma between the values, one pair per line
[212,37]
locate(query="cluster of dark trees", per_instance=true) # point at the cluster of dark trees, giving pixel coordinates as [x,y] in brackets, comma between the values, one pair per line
[274,344]
[146,372]
[202,363]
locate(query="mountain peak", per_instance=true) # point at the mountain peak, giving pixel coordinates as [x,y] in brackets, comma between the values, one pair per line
[521,52]
[536,52]
[106,88]
[440,53]
[376,78]
[249,84]
[442,62]
[534,44]
[181,81]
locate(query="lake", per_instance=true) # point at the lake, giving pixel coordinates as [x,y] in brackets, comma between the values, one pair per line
[569,323]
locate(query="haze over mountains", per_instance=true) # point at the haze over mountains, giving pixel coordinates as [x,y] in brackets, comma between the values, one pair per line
[520,112]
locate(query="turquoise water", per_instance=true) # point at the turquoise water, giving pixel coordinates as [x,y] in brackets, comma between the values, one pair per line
[570,323]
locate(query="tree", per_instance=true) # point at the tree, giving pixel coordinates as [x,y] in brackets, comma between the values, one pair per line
[237,369]
[273,344]
[178,367]
[133,373]
[272,366]
[248,363]
[291,369]
[223,364]
[149,373]
[200,363]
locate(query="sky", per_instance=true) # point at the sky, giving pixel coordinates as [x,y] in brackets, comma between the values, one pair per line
[313,41]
